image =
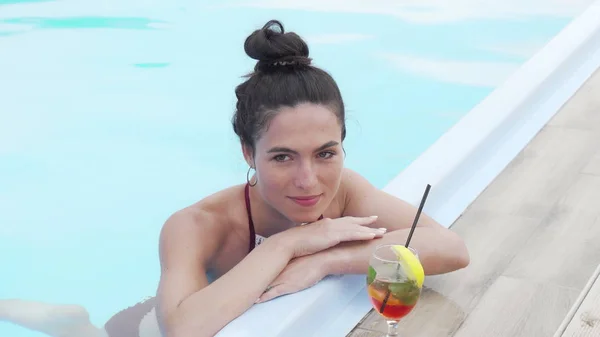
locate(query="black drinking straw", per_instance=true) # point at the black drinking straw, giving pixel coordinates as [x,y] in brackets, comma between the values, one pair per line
[412,230]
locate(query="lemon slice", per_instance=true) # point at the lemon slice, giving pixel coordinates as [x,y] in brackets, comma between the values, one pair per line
[410,263]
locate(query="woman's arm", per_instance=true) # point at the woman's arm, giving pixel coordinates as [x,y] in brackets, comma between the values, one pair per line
[440,252]
[434,247]
[440,249]
[190,307]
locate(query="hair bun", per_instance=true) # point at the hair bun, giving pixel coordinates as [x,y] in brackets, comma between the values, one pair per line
[272,46]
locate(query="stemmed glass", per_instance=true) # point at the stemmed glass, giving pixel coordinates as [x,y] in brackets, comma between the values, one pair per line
[394,283]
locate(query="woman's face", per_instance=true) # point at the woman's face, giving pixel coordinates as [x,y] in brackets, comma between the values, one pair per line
[299,161]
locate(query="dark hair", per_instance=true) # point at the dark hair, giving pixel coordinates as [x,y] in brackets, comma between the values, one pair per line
[282,77]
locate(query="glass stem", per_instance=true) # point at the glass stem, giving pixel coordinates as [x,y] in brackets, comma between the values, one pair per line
[392,328]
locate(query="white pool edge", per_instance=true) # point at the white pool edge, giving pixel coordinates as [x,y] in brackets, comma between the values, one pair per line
[459,166]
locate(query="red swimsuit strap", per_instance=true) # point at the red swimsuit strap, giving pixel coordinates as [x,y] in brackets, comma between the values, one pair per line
[250,222]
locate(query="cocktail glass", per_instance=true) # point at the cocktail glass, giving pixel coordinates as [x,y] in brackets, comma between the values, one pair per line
[394,283]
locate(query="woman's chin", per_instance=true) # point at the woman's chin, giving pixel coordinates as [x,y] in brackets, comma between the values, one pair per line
[305,217]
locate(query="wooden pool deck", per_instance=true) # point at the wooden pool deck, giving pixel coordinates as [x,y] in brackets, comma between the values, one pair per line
[534,240]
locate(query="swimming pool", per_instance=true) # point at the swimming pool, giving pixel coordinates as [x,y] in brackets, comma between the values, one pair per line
[110,114]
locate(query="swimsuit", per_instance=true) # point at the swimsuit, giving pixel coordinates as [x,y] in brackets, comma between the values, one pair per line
[126,323]
[255,239]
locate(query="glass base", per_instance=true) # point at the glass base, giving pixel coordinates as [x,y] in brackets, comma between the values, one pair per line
[392,329]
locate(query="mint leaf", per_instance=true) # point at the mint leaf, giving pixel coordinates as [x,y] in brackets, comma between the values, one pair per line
[371,275]
[407,292]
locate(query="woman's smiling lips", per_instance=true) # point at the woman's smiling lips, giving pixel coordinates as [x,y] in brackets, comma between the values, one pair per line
[306,201]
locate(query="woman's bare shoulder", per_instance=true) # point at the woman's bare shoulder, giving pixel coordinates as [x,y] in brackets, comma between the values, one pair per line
[210,219]
[340,201]
[353,186]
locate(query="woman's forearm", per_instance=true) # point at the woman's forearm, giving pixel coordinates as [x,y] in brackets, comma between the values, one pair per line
[440,251]
[207,311]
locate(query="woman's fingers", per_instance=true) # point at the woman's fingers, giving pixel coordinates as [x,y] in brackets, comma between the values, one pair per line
[275,291]
[357,220]
[362,233]
[327,233]
[366,220]
[353,228]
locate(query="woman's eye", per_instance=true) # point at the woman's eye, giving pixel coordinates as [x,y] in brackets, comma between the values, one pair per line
[326,154]
[280,157]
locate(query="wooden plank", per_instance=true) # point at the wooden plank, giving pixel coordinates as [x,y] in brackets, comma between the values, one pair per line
[516,307]
[358,332]
[565,250]
[541,173]
[593,166]
[585,319]
[582,111]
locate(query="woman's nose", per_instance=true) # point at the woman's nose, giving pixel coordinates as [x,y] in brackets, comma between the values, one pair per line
[306,177]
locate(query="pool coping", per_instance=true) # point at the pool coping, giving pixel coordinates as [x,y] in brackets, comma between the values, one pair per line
[459,166]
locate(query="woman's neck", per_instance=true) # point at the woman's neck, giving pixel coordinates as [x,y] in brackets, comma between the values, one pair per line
[267,220]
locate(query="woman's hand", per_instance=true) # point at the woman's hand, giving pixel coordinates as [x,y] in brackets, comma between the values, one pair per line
[301,273]
[306,267]
[326,233]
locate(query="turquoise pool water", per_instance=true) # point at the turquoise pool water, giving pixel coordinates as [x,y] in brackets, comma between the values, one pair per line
[114,115]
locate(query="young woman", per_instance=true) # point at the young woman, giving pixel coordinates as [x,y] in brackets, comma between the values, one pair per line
[290,121]
[301,215]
